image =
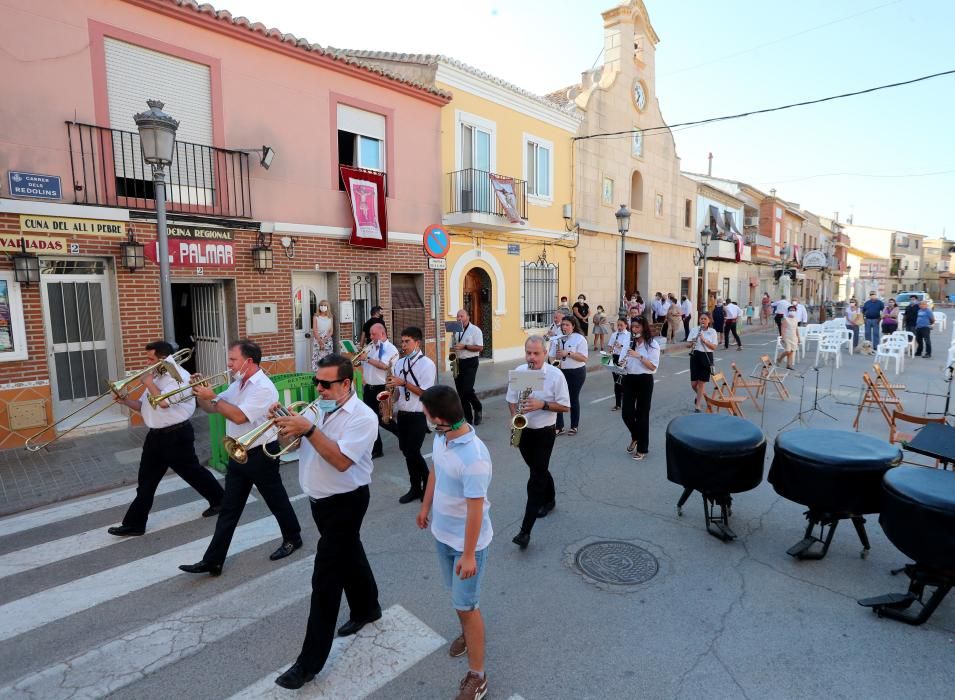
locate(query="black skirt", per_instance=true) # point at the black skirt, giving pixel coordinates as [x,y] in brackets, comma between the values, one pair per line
[700,364]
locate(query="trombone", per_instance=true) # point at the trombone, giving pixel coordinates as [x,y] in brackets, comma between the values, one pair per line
[120,388]
[154,401]
[238,448]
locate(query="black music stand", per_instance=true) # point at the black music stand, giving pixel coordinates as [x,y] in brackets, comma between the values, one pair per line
[803,414]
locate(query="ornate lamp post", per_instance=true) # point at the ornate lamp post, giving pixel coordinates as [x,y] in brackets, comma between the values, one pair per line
[623,225]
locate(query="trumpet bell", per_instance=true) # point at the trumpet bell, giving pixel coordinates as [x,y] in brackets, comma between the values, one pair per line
[237,451]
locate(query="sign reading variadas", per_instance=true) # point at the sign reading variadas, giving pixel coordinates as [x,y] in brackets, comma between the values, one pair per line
[10,243]
[61,224]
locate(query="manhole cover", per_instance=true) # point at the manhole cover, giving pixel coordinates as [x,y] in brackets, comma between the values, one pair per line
[618,563]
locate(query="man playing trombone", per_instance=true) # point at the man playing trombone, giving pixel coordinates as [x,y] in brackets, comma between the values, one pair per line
[245,405]
[334,470]
[169,443]
[374,373]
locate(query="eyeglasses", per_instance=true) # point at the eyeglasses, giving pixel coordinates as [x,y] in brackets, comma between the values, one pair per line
[325,383]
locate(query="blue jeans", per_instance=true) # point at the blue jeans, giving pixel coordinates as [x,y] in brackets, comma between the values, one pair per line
[872,331]
[855,333]
[465,593]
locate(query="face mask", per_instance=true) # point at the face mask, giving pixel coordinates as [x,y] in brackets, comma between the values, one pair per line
[637,334]
[327,405]
[323,308]
[580,299]
[791,314]
[444,427]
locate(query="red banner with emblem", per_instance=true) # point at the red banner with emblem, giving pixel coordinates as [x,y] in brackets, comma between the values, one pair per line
[366,196]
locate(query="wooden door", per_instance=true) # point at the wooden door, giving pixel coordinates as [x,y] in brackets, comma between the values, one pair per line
[477,302]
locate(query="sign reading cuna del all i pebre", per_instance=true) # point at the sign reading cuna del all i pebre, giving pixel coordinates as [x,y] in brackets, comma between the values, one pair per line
[61,224]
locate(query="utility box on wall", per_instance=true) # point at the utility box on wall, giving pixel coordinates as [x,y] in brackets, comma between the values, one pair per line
[261,317]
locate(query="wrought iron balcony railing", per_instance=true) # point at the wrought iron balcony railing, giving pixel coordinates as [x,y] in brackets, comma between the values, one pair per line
[473,192]
[109,171]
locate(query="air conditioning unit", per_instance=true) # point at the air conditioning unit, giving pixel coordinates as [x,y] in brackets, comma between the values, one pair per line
[751,221]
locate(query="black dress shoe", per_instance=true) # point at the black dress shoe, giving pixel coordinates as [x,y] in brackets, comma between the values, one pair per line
[352,626]
[522,539]
[295,677]
[545,509]
[125,531]
[212,510]
[478,418]
[287,547]
[412,495]
[202,567]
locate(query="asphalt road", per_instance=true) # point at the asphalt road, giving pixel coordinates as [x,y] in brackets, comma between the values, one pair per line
[84,615]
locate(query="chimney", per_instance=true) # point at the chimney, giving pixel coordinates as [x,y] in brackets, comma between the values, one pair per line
[709,167]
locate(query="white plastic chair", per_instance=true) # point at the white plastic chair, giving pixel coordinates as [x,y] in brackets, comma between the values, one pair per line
[909,340]
[941,319]
[892,346]
[843,335]
[830,345]
[811,333]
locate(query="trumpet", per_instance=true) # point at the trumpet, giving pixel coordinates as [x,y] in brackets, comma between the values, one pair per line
[154,401]
[238,448]
[120,388]
[519,420]
[362,355]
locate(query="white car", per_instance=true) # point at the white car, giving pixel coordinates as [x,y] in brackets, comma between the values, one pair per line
[902,299]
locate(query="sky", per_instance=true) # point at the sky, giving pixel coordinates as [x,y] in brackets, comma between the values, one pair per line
[886,159]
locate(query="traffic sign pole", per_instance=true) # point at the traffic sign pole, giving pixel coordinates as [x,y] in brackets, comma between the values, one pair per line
[436,243]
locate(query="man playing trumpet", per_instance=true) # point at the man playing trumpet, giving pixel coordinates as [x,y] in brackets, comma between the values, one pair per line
[412,374]
[169,445]
[245,405]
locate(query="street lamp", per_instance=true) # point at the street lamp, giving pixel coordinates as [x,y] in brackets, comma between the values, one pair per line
[157,136]
[706,235]
[623,225]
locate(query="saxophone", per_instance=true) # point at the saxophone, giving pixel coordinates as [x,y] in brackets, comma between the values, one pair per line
[519,421]
[387,398]
[453,360]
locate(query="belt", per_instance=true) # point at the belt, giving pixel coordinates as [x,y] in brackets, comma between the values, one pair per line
[170,428]
[410,413]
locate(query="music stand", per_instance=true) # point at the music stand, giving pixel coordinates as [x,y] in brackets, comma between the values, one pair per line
[801,416]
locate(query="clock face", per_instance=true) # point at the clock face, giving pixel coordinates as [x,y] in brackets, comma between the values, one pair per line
[640,96]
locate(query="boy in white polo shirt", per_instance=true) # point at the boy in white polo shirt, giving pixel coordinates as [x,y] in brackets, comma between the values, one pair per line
[457,488]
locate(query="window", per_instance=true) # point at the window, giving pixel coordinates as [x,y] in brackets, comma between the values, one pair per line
[684,287]
[361,140]
[538,293]
[537,168]
[475,148]
[658,205]
[726,288]
[779,212]
[916,265]
[687,212]
[13,341]
[636,191]
[606,191]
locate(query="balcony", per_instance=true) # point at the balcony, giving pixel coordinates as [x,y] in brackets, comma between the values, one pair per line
[726,250]
[764,241]
[109,171]
[474,202]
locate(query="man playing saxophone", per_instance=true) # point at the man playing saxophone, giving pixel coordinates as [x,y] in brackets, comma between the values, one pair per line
[537,438]
[245,405]
[374,373]
[412,374]
[168,445]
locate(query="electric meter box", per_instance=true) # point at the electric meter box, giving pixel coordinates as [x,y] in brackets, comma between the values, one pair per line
[261,317]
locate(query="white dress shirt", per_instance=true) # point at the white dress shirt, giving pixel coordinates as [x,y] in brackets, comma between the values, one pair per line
[574,342]
[384,352]
[424,372]
[353,426]
[471,335]
[254,400]
[555,391]
[554,330]
[621,339]
[651,352]
[732,312]
[802,316]
[176,412]
[697,337]
[780,306]
[686,307]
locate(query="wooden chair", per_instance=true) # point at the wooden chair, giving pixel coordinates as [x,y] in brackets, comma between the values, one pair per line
[882,381]
[872,397]
[724,392]
[896,435]
[743,383]
[769,374]
[715,405]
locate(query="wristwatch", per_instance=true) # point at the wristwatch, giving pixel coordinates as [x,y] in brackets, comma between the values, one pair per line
[214,402]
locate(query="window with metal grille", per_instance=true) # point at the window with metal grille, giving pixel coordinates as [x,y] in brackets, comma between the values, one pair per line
[538,292]
[407,305]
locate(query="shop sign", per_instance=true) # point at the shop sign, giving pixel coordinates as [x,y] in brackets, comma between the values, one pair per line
[34,185]
[10,243]
[200,234]
[61,224]
[185,252]
[814,260]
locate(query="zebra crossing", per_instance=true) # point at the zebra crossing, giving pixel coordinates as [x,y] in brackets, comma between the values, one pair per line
[85,657]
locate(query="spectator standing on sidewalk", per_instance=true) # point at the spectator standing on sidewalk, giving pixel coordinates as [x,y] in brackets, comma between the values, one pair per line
[890,318]
[854,319]
[910,316]
[718,314]
[923,330]
[732,316]
[802,315]
[687,309]
[674,319]
[765,309]
[872,311]
[780,307]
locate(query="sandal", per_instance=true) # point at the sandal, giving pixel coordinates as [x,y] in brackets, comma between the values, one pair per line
[572,431]
[558,431]
[637,457]
[632,447]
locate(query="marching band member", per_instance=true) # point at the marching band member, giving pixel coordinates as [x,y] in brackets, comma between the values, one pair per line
[703,340]
[570,350]
[643,358]
[537,439]
[374,371]
[468,344]
[554,329]
[245,405]
[334,469]
[169,445]
[617,343]
[412,374]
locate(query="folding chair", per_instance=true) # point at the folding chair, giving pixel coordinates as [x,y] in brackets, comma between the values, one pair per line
[724,392]
[741,382]
[885,385]
[768,372]
[873,397]
[714,405]
[896,435]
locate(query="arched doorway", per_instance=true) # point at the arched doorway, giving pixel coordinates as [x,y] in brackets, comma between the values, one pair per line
[477,302]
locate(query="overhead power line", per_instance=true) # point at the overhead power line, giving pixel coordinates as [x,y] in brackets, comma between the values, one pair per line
[711,120]
[787,178]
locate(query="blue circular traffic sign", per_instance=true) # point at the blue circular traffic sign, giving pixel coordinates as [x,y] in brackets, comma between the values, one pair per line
[437,242]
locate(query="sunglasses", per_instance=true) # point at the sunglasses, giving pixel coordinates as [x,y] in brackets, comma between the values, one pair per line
[325,383]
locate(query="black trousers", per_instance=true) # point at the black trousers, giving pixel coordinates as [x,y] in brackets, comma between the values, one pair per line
[536,446]
[169,449]
[637,394]
[464,384]
[686,328]
[262,472]
[779,323]
[923,339]
[412,429]
[369,396]
[617,384]
[340,566]
[575,382]
[730,327]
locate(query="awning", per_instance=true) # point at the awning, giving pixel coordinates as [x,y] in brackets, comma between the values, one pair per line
[731,222]
[718,219]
